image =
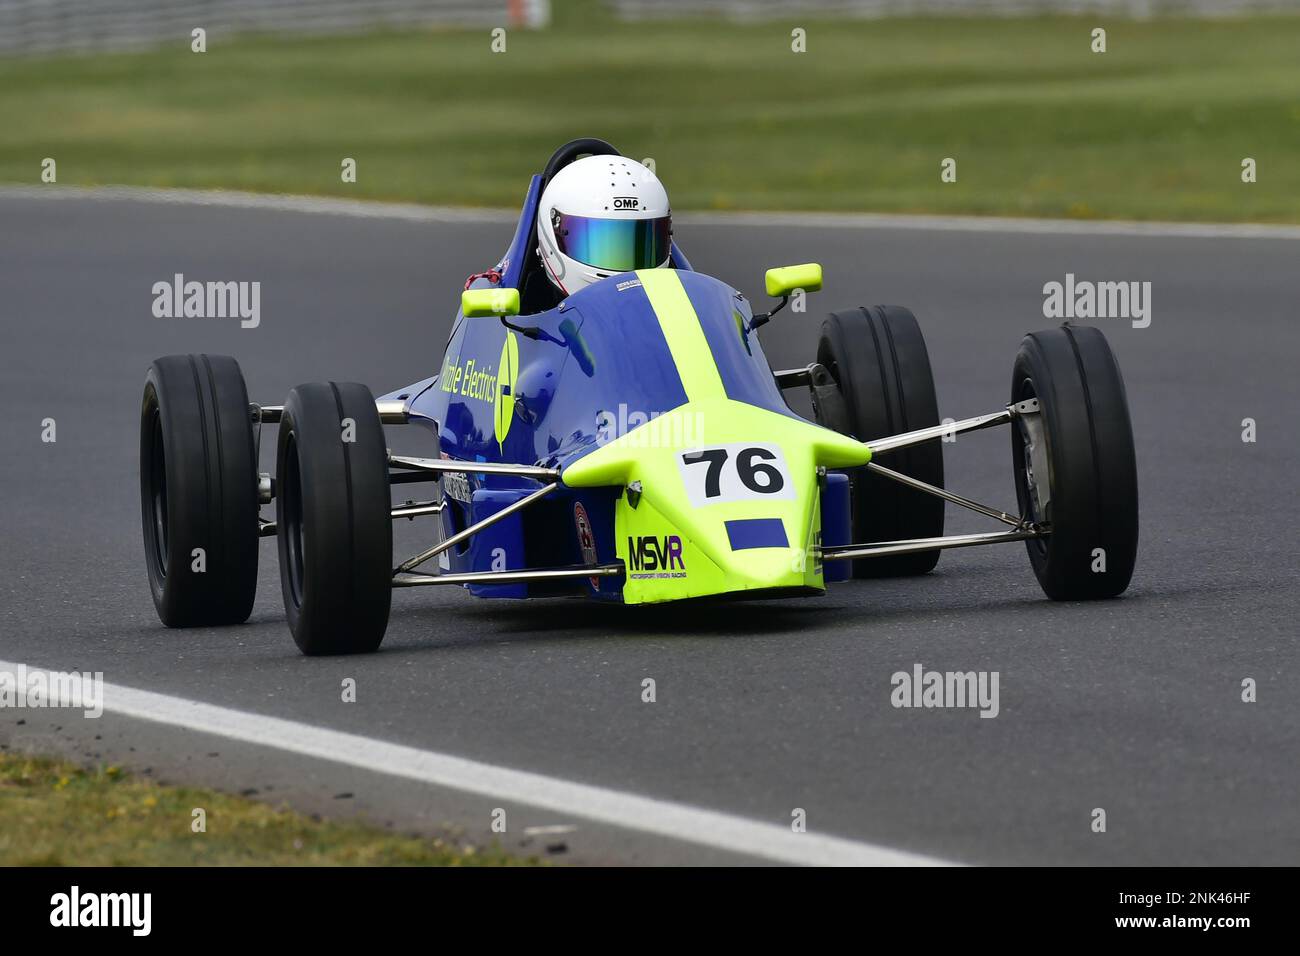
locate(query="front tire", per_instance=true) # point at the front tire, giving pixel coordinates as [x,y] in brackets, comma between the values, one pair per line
[877,357]
[333,519]
[198,490]
[1091,499]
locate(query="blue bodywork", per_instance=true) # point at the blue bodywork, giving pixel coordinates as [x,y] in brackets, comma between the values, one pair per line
[598,367]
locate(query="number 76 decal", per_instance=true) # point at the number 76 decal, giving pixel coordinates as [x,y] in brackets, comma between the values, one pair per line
[735,473]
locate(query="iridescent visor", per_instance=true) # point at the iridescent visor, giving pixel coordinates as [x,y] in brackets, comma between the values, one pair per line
[614,245]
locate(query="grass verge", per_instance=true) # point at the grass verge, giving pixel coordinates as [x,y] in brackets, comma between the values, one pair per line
[53,813]
[1154,128]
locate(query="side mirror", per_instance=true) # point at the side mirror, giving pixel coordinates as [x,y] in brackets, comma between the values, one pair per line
[479,303]
[783,281]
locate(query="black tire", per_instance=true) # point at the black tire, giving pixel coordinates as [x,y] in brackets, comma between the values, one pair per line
[198,490]
[877,357]
[333,519]
[1092,468]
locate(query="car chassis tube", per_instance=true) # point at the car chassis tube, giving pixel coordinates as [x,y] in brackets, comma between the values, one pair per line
[404,575]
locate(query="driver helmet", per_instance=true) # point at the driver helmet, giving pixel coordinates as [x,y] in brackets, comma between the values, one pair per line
[602,215]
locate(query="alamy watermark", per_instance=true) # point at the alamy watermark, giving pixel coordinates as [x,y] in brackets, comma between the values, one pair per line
[39,688]
[650,429]
[1084,299]
[74,908]
[181,299]
[946,689]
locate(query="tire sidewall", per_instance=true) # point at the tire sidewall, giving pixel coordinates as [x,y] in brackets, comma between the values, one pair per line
[200,405]
[1091,463]
[342,497]
[877,357]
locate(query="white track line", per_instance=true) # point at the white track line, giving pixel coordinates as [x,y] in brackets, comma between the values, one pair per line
[320,205]
[1005,224]
[412,212]
[645,814]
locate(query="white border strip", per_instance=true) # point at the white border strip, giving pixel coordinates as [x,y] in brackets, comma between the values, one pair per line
[413,212]
[645,814]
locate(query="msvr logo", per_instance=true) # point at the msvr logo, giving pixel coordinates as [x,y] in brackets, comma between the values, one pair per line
[648,552]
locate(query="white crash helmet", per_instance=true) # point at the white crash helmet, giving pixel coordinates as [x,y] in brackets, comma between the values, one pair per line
[601,215]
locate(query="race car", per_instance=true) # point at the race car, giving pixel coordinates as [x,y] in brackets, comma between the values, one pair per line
[629,444]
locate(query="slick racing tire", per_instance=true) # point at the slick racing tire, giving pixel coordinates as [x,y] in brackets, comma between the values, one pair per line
[198,490]
[878,359]
[1082,436]
[333,519]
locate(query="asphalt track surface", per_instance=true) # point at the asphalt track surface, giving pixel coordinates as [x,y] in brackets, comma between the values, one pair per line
[1132,705]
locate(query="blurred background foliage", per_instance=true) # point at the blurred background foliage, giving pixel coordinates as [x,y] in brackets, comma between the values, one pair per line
[1156,127]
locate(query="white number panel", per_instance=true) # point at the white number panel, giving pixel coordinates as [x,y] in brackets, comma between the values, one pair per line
[747,470]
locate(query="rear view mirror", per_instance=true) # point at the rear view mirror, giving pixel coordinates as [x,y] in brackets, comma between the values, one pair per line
[785,280]
[478,303]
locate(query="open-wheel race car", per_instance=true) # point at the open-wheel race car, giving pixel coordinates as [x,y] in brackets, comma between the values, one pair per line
[627,443]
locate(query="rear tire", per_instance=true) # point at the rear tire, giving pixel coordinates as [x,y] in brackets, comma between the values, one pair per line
[198,490]
[1092,505]
[333,519]
[877,357]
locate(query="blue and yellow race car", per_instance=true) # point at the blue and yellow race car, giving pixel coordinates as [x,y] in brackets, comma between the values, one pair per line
[629,444]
